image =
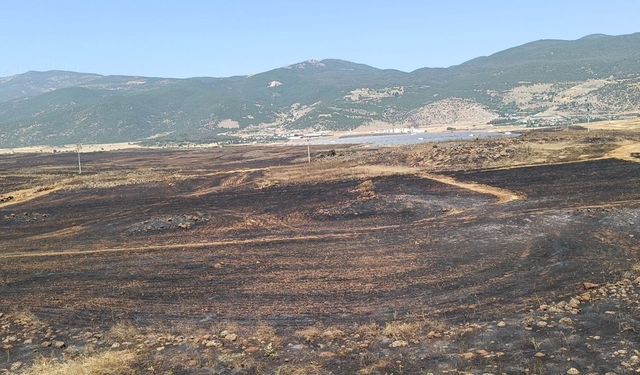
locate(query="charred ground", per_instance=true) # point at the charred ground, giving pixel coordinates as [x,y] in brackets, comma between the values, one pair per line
[435,258]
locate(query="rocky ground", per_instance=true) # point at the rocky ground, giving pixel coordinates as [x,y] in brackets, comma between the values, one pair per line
[594,332]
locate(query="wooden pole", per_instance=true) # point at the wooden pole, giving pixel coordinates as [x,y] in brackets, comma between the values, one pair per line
[78,148]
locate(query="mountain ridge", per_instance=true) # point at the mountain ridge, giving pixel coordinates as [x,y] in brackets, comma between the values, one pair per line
[54,107]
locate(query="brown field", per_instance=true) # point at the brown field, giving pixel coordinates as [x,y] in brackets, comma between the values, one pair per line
[462,257]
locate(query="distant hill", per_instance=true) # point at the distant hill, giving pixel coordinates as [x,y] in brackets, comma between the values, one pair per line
[547,81]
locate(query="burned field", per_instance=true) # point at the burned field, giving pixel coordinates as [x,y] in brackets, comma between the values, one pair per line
[250,260]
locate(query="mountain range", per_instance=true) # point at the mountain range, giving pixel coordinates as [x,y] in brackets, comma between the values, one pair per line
[542,82]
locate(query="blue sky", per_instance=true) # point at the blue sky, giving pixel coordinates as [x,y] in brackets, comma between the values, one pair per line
[221,38]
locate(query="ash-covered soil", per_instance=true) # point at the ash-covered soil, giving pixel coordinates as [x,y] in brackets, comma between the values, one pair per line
[206,269]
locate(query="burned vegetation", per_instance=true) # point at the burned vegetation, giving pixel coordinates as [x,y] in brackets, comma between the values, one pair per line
[505,256]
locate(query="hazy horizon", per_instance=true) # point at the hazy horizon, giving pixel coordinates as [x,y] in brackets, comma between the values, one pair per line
[198,38]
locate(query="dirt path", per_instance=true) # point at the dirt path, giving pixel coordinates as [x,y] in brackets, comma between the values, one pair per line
[503,195]
[193,245]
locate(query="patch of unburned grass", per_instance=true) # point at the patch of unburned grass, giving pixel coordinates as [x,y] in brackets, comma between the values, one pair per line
[25,317]
[332,334]
[366,190]
[108,363]
[323,172]
[368,331]
[403,330]
[301,370]
[381,366]
[123,331]
[309,334]
[267,335]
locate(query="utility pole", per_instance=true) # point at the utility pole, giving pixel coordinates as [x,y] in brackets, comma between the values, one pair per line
[588,117]
[78,149]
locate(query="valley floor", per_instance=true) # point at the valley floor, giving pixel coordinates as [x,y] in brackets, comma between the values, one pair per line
[500,256]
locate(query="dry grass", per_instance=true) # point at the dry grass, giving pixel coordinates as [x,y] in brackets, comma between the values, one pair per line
[229,327]
[108,363]
[368,331]
[366,190]
[123,331]
[301,370]
[236,361]
[308,334]
[332,334]
[99,180]
[235,180]
[633,272]
[403,330]
[381,366]
[25,317]
[328,171]
[267,335]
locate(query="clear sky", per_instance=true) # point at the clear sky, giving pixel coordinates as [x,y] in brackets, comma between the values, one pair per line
[221,38]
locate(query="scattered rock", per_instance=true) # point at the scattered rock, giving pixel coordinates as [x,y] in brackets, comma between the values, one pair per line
[434,335]
[501,324]
[574,303]
[10,339]
[398,344]
[468,356]
[539,355]
[46,344]
[573,371]
[620,353]
[585,297]
[588,285]
[231,337]
[174,222]
[212,344]
[16,366]
[565,321]
[326,355]
[59,344]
